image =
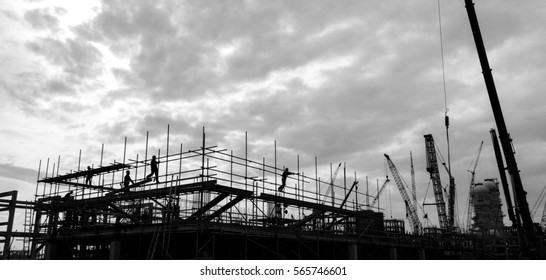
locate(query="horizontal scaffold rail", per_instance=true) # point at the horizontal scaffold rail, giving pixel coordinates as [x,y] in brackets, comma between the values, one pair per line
[60,204]
[83,173]
[316,206]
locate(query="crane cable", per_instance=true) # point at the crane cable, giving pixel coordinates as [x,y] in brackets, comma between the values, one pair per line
[442,53]
[446,117]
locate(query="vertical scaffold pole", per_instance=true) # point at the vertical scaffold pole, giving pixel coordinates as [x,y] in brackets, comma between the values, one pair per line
[246,171]
[100,165]
[203,157]
[316,181]
[146,153]
[52,175]
[158,157]
[78,179]
[57,185]
[356,193]
[263,183]
[202,174]
[47,169]
[167,155]
[345,179]
[37,179]
[367,192]
[331,184]
[275,154]
[298,188]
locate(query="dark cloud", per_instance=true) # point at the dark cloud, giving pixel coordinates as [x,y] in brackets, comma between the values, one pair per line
[78,59]
[18,173]
[177,44]
[41,19]
[342,82]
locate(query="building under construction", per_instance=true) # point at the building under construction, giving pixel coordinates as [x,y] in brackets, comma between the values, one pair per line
[208,203]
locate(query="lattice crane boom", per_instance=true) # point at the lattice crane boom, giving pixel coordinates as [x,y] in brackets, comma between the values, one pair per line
[413,188]
[472,183]
[432,168]
[413,217]
[543,219]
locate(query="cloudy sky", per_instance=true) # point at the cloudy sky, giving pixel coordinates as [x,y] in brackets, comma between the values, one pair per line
[343,81]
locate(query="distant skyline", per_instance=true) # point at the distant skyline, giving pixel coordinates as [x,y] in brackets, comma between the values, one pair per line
[344,82]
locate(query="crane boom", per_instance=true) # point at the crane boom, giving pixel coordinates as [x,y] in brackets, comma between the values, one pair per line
[413,218]
[380,192]
[530,246]
[543,219]
[432,168]
[413,188]
[473,172]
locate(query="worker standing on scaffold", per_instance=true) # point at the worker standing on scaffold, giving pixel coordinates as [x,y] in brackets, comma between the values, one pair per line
[284,175]
[89,176]
[155,169]
[127,180]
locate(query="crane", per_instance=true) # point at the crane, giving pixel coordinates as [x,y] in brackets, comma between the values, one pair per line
[380,192]
[413,188]
[473,172]
[530,247]
[543,219]
[432,168]
[413,218]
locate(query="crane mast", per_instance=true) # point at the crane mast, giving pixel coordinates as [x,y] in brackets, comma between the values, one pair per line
[530,245]
[413,218]
[413,188]
[432,168]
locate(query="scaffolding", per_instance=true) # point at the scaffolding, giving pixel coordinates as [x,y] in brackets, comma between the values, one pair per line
[210,203]
[194,188]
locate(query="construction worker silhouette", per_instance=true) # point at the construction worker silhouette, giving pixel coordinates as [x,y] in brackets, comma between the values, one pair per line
[284,175]
[155,170]
[89,176]
[127,180]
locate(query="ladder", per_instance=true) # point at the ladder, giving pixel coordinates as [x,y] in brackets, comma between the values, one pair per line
[153,243]
[27,229]
[163,230]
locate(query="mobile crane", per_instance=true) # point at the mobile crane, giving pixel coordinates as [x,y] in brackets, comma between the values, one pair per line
[529,245]
[432,168]
[413,217]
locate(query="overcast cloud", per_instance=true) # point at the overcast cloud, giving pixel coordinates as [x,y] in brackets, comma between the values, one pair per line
[344,81]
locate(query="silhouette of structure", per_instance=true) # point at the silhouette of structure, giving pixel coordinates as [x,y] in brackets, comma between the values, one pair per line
[213,204]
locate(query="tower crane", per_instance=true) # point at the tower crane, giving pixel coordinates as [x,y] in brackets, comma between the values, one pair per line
[473,172]
[432,168]
[413,218]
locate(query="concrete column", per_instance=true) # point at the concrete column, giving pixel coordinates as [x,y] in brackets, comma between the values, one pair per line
[422,254]
[50,251]
[353,251]
[392,251]
[115,249]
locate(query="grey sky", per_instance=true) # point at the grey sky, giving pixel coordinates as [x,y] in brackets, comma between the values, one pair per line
[344,81]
